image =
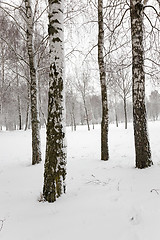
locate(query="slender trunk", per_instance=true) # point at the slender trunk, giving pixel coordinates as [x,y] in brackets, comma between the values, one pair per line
[55,162]
[74,120]
[124,103]
[125,112]
[2,78]
[27,117]
[40,104]
[93,119]
[142,146]
[19,112]
[102,72]
[116,116]
[85,109]
[86,113]
[6,123]
[28,105]
[36,149]
[18,101]
[71,122]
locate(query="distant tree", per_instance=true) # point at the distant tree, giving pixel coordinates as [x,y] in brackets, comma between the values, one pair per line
[113,107]
[142,145]
[7,78]
[95,102]
[24,18]
[55,162]
[28,107]
[121,86]
[71,104]
[18,101]
[82,86]
[154,105]
[4,56]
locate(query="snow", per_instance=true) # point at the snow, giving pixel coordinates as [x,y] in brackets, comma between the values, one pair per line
[105,200]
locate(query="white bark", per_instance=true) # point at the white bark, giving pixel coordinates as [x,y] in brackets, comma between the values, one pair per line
[55,162]
[36,149]
[102,73]
[142,146]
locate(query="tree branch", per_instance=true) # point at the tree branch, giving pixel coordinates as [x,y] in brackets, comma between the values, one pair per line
[152,61]
[120,20]
[149,6]
[13,18]
[17,54]
[151,23]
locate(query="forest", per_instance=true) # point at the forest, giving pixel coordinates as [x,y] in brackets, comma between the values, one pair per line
[79,118]
[83,97]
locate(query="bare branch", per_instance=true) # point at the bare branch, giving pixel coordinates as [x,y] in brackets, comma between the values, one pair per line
[89,52]
[149,6]
[12,6]
[17,54]
[40,15]
[151,22]
[152,61]
[7,12]
[120,20]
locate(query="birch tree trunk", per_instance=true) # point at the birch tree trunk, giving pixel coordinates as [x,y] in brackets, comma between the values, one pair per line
[36,149]
[86,112]
[142,146]
[28,106]
[102,72]
[125,111]
[55,162]
[18,100]
[2,78]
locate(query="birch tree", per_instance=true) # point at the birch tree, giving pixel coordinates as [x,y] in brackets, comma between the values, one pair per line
[55,162]
[120,83]
[102,73]
[36,150]
[71,104]
[82,86]
[142,145]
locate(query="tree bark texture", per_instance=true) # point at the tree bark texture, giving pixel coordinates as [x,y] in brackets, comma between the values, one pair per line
[55,162]
[36,149]
[142,146]
[102,72]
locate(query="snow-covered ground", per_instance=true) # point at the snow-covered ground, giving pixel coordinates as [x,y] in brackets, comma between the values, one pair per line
[105,200]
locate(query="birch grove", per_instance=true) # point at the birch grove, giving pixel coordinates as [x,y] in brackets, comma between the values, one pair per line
[116,42]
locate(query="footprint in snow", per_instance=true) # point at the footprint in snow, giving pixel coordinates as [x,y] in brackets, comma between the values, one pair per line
[135,216]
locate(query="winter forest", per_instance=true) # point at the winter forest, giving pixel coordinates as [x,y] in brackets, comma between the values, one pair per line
[79,119]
